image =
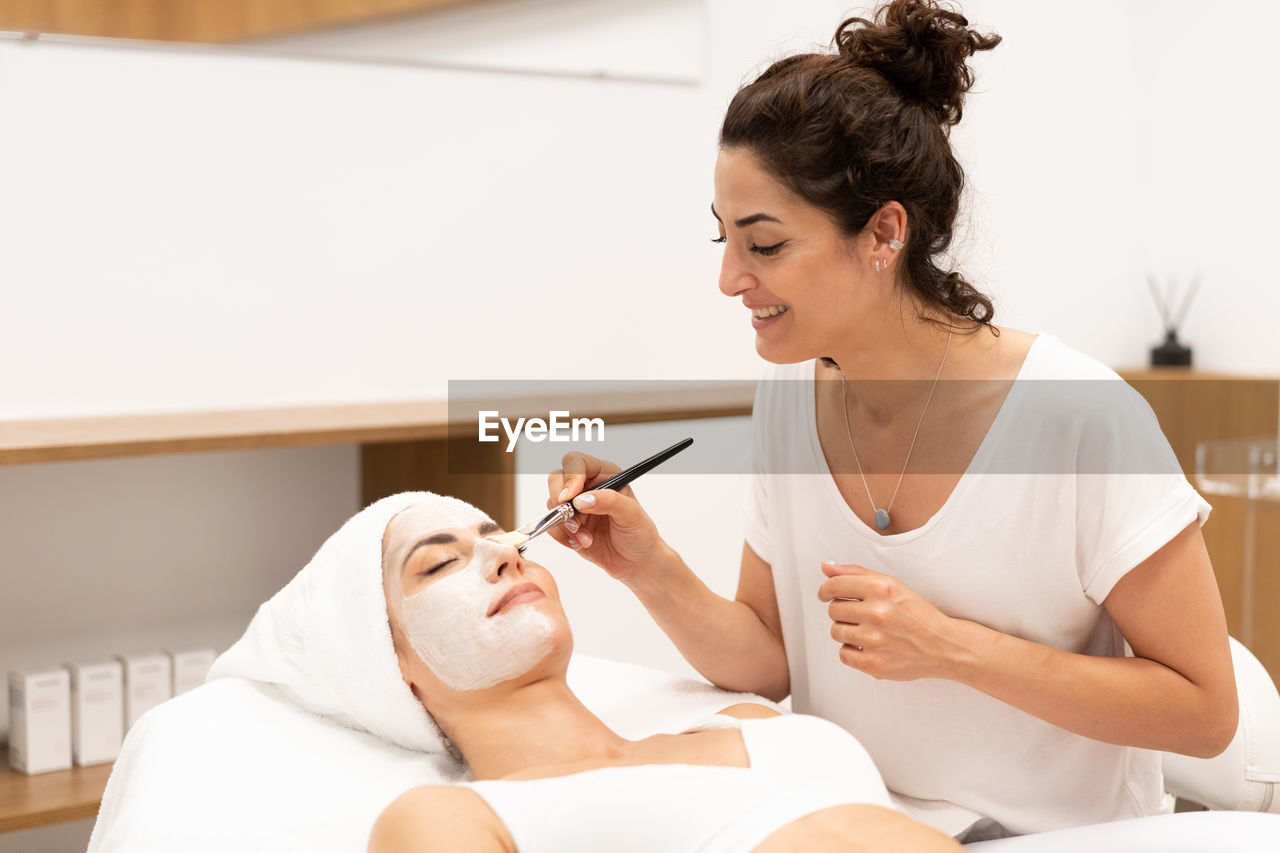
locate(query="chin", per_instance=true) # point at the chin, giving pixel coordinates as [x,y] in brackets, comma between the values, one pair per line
[782,354]
[561,650]
[555,663]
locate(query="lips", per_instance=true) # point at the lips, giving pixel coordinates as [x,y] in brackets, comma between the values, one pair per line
[514,592]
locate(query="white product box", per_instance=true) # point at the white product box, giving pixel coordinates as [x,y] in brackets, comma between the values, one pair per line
[97,710]
[190,667]
[40,720]
[148,681]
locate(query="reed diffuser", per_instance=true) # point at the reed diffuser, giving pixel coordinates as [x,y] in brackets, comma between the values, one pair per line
[1171,353]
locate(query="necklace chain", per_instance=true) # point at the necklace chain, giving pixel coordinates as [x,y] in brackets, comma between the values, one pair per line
[844,404]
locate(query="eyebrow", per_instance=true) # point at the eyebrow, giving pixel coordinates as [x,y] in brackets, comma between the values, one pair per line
[484,529]
[747,220]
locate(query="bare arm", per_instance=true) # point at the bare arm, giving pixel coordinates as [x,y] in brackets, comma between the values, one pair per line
[1177,694]
[735,644]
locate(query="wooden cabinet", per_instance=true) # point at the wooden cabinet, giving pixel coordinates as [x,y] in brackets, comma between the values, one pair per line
[1196,406]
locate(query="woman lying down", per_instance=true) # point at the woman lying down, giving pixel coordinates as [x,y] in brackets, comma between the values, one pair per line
[484,645]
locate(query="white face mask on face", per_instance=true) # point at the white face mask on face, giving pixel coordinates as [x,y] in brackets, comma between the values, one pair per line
[447,625]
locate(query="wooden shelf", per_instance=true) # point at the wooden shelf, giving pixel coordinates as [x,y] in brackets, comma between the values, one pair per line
[65,439]
[47,798]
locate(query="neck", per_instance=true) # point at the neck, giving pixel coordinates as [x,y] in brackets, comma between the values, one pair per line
[888,366]
[535,724]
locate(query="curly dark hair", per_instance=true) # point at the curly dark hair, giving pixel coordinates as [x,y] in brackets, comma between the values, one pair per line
[852,130]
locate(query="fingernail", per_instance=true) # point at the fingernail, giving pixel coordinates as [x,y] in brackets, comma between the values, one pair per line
[564,494]
[572,525]
[585,500]
[585,538]
[573,543]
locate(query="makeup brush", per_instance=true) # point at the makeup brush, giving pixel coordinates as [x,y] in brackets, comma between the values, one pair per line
[559,515]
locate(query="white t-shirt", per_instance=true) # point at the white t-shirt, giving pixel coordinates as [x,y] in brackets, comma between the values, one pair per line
[1073,486]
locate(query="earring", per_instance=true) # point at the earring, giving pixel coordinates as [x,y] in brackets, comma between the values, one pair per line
[877,265]
[895,244]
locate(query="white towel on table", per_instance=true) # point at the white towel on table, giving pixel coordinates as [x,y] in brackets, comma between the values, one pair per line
[235,765]
[305,730]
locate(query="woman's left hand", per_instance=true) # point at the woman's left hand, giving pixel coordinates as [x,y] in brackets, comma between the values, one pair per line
[885,629]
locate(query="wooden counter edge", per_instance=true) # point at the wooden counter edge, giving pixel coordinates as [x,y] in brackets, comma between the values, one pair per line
[70,439]
[44,799]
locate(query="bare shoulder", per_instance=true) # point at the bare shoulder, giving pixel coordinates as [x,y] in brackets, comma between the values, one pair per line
[749,711]
[1013,345]
[439,817]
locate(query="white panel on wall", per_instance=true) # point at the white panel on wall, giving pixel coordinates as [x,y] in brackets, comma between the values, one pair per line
[660,40]
[191,229]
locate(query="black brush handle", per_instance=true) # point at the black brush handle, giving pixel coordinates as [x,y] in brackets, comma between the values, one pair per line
[622,479]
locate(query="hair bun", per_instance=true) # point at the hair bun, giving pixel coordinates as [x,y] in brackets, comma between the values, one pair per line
[921,47]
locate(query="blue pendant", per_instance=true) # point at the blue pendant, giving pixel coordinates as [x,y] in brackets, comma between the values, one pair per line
[882,519]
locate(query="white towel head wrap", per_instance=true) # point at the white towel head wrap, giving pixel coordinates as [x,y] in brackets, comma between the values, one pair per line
[325,640]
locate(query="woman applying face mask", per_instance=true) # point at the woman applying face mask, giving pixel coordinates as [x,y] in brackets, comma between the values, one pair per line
[483,644]
[1002,592]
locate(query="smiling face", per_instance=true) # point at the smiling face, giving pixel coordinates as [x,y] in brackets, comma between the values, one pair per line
[808,286]
[473,613]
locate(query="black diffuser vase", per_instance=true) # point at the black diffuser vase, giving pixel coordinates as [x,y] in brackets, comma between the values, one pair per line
[1171,353]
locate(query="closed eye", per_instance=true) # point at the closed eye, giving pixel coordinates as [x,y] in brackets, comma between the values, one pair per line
[438,567]
[768,250]
[717,239]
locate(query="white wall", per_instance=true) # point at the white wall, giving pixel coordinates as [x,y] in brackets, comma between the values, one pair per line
[1214,175]
[1114,140]
[195,228]
[191,228]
